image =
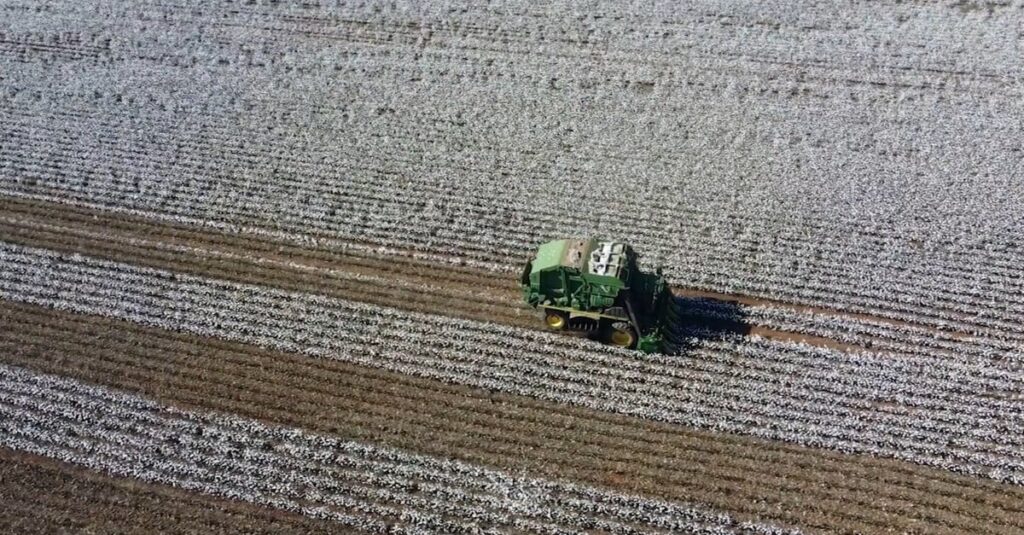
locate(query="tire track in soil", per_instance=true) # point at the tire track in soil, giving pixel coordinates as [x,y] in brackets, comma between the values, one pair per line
[398,281]
[391,281]
[42,495]
[753,478]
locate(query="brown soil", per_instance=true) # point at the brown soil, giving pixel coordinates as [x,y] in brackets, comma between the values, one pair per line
[391,281]
[760,301]
[41,495]
[754,479]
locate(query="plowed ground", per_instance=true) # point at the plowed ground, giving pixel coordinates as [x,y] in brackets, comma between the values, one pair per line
[41,495]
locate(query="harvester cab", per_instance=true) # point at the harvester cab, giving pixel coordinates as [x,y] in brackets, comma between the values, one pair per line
[596,287]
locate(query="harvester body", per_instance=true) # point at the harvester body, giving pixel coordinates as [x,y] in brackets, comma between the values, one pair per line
[596,286]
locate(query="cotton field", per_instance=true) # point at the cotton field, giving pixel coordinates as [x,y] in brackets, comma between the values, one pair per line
[259,266]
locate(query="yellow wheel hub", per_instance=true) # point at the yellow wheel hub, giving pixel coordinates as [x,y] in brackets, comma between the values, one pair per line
[621,338]
[554,321]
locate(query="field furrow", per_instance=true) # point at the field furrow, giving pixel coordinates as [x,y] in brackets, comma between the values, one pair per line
[45,496]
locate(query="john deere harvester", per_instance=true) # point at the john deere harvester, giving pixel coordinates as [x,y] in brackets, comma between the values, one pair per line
[595,286]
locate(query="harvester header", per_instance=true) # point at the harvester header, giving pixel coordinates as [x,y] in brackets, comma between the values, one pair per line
[596,286]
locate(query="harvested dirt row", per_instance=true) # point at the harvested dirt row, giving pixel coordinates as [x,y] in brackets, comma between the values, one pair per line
[484,286]
[758,479]
[462,293]
[41,495]
[760,301]
[212,261]
[355,259]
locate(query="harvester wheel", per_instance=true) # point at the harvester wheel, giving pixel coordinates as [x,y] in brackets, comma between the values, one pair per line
[555,320]
[621,335]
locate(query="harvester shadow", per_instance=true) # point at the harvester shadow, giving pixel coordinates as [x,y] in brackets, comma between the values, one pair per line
[698,319]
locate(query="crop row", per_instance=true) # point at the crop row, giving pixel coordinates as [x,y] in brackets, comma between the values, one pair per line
[675,463]
[316,178]
[354,483]
[737,386]
[414,326]
[161,246]
[301,174]
[516,432]
[567,370]
[911,317]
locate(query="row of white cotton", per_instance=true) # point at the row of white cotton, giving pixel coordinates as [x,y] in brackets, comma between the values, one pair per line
[775,390]
[373,488]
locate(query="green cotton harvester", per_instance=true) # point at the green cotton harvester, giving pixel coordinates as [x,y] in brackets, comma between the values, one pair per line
[595,286]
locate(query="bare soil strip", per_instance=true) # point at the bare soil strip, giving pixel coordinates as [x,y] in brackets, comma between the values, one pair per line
[394,281]
[754,479]
[41,495]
